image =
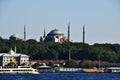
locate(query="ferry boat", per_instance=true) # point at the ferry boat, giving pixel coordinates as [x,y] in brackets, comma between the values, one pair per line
[18,70]
[112,70]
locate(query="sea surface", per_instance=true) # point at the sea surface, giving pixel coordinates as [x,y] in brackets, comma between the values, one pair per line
[61,76]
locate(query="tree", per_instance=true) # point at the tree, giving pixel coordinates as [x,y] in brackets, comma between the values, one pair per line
[36,65]
[23,64]
[50,64]
[110,56]
[79,51]
[11,64]
[71,64]
[1,38]
[85,64]
[31,41]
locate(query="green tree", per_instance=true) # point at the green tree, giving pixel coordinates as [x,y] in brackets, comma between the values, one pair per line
[11,64]
[23,64]
[50,64]
[85,64]
[36,65]
[79,51]
[71,64]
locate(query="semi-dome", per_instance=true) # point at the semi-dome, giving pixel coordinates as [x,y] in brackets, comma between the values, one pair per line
[55,32]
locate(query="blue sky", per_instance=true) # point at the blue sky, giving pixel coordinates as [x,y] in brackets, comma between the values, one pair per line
[101,18]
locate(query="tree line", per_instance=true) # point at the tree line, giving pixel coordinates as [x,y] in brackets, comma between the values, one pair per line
[57,51]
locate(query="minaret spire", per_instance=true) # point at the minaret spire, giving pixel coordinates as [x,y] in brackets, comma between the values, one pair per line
[83,33]
[25,32]
[44,33]
[69,32]
[69,55]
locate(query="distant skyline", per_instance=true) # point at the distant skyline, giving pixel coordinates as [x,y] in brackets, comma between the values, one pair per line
[101,19]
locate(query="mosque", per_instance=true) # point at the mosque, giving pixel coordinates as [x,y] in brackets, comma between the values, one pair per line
[56,35]
[16,37]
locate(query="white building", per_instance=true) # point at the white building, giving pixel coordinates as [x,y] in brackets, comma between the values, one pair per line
[17,59]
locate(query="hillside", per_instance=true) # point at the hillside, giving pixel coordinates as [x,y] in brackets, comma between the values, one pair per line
[54,51]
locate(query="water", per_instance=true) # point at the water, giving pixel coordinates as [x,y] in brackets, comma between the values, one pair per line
[61,76]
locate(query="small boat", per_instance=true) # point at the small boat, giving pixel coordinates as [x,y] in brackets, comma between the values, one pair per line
[94,70]
[18,70]
[112,70]
[45,68]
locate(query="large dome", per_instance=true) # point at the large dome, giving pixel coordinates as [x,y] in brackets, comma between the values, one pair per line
[55,36]
[55,32]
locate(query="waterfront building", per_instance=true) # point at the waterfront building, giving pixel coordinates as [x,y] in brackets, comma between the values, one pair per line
[17,59]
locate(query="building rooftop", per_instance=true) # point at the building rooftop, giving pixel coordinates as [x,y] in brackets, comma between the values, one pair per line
[55,32]
[14,54]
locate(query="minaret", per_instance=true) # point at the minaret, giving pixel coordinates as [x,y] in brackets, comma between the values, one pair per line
[83,33]
[24,32]
[44,35]
[69,32]
[15,49]
[69,55]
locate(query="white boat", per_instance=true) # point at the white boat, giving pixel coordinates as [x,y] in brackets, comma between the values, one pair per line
[113,70]
[18,70]
[45,68]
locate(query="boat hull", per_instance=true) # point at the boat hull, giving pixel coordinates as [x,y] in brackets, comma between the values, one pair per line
[93,70]
[18,70]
